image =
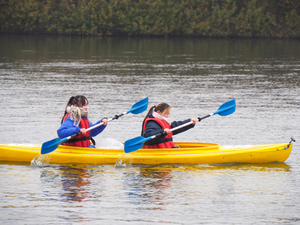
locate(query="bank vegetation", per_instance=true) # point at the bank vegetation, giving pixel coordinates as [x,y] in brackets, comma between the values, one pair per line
[188,18]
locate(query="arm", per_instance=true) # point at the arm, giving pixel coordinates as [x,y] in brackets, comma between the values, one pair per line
[153,128]
[178,123]
[67,129]
[98,130]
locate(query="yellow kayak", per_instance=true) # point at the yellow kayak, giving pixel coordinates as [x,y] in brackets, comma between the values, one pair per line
[188,153]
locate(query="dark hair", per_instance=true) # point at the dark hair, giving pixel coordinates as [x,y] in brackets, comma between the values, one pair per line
[75,100]
[162,107]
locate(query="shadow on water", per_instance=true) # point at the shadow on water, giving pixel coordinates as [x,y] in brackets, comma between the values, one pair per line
[198,168]
[152,170]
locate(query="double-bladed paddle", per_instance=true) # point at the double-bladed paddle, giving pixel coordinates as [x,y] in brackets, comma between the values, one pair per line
[137,108]
[136,143]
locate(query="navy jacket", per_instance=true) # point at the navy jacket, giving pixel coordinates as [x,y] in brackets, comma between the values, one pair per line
[153,128]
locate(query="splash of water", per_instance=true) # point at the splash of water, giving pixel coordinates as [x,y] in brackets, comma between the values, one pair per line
[41,160]
[124,161]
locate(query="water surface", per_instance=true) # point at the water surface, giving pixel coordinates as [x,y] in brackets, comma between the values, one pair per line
[38,74]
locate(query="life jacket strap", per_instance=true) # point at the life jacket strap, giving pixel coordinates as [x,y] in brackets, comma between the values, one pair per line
[93,141]
[162,141]
[78,139]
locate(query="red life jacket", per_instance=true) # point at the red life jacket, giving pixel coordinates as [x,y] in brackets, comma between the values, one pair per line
[166,142]
[82,140]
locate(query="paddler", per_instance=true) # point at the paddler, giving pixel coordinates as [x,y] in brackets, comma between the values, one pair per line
[157,121]
[75,120]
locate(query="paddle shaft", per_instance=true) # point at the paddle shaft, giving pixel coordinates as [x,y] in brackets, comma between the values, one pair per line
[97,125]
[137,108]
[180,126]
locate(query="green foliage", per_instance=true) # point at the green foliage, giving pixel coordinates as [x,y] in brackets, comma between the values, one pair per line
[195,18]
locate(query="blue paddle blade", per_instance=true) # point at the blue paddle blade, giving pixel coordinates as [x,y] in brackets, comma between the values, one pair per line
[51,145]
[135,144]
[226,109]
[139,107]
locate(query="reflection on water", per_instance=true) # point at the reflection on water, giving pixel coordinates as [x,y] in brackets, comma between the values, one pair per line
[145,183]
[79,193]
[153,186]
[276,167]
[149,186]
[75,183]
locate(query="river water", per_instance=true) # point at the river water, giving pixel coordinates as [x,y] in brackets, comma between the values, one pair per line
[38,74]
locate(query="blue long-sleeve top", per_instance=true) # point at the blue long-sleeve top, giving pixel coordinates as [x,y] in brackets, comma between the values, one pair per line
[153,128]
[67,128]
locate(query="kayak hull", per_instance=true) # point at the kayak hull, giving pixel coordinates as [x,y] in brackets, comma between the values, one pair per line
[188,153]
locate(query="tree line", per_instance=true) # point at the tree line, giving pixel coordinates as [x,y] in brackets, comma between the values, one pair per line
[187,18]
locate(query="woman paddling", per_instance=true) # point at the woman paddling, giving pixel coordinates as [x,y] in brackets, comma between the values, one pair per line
[157,121]
[75,120]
